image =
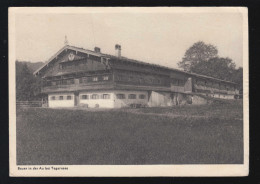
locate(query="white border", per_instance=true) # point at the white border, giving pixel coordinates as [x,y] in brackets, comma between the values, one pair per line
[128,170]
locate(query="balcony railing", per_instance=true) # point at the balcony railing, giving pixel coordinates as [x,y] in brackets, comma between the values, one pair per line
[177,88]
[214,90]
[76,87]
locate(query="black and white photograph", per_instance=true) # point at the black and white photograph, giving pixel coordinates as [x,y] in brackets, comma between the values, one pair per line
[128,91]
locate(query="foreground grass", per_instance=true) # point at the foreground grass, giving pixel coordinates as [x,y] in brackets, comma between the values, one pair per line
[207,134]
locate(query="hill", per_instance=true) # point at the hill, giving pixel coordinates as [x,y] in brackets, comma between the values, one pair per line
[32,66]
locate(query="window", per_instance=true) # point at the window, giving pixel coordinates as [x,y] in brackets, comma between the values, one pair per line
[80,80]
[84,97]
[60,97]
[150,81]
[63,82]
[84,80]
[71,81]
[141,80]
[94,96]
[227,88]
[131,78]
[120,96]
[125,78]
[158,81]
[120,77]
[131,96]
[106,96]
[52,97]
[48,83]
[68,97]
[105,77]
[58,82]
[82,63]
[68,81]
[175,82]
[141,96]
[95,79]
[181,82]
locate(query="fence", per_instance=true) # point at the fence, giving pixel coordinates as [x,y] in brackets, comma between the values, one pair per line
[29,103]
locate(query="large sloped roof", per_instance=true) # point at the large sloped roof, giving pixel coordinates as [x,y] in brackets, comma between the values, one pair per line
[99,54]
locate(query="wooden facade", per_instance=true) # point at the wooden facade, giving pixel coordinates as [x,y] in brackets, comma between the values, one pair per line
[75,72]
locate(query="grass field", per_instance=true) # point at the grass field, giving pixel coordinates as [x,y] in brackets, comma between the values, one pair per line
[205,134]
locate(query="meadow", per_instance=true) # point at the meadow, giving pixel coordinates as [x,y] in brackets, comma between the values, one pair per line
[190,134]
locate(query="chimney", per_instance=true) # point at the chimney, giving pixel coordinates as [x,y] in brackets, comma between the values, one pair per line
[118,50]
[97,49]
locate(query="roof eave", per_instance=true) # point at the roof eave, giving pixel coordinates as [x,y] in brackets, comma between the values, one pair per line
[72,48]
[54,56]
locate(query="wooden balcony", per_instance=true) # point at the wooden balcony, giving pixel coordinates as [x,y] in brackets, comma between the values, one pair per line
[213,90]
[77,87]
[179,89]
[140,87]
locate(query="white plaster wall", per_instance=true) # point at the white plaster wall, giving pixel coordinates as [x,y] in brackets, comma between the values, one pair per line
[126,102]
[197,100]
[224,96]
[61,103]
[113,102]
[227,96]
[221,96]
[211,95]
[217,95]
[230,97]
[103,103]
[160,99]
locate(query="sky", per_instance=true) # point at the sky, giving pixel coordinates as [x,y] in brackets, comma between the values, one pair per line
[159,38]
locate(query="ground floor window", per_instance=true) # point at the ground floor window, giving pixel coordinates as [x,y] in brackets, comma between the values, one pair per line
[52,97]
[84,97]
[131,96]
[120,96]
[69,97]
[106,96]
[141,96]
[95,96]
[60,97]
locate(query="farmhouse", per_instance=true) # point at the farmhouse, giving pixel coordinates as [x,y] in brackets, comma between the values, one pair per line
[80,77]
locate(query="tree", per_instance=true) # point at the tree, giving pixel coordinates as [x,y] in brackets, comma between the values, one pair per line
[221,68]
[198,52]
[27,85]
[202,59]
[238,78]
